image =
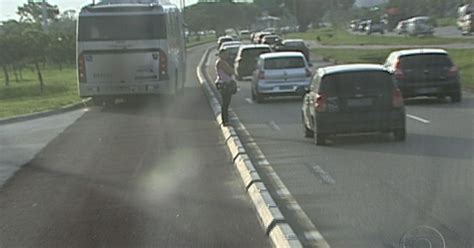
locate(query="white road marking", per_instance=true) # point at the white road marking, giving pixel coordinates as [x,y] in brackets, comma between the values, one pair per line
[325,177]
[274,125]
[418,119]
[313,236]
[249,100]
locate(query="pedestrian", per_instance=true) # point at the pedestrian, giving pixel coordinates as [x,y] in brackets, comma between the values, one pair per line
[225,84]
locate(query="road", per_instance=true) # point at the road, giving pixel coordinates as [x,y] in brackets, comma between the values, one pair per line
[367,190]
[152,174]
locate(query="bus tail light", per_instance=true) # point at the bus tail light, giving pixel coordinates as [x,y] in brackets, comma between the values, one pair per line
[453,71]
[81,69]
[397,99]
[399,74]
[163,66]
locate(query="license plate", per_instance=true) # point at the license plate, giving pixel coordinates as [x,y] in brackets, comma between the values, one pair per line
[363,102]
[427,90]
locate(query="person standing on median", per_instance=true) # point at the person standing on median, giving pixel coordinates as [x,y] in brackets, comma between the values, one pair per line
[225,84]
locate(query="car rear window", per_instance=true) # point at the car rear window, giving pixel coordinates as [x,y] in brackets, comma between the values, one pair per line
[294,44]
[254,52]
[353,83]
[284,63]
[425,60]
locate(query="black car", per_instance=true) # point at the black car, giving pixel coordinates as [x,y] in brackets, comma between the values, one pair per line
[357,98]
[425,72]
[295,45]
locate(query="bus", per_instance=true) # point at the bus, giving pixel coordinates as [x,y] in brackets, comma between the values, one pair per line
[130,49]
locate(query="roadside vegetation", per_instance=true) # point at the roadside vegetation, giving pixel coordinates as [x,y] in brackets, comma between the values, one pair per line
[462,58]
[446,21]
[335,37]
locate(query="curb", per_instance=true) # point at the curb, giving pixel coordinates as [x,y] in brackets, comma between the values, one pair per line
[61,110]
[269,215]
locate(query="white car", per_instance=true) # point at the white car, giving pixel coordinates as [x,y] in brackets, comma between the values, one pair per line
[280,74]
[229,43]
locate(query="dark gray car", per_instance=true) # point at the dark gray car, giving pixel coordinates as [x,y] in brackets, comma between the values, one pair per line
[357,98]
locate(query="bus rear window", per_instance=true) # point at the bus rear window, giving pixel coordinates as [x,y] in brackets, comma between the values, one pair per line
[112,28]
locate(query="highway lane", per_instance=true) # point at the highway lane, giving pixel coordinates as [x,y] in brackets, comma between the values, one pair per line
[150,174]
[368,191]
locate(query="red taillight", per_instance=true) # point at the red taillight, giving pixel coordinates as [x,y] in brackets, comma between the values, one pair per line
[261,75]
[320,103]
[81,68]
[397,99]
[163,66]
[399,75]
[308,73]
[453,71]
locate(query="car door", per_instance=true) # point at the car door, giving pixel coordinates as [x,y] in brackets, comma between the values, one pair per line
[308,109]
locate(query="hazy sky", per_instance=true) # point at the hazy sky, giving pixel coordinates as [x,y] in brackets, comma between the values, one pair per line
[8,7]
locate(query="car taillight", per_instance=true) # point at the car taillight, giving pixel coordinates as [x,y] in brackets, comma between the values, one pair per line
[81,68]
[399,75]
[163,66]
[453,71]
[397,98]
[308,73]
[320,102]
[261,75]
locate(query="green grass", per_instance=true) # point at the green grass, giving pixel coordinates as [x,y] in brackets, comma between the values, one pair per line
[24,97]
[328,36]
[203,40]
[463,58]
[446,21]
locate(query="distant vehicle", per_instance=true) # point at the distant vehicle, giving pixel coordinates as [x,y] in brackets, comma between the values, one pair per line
[259,37]
[271,40]
[230,43]
[401,27]
[425,72]
[244,34]
[467,25]
[130,49]
[358,98]
[232,50]
[374,27]
[362,25]
[223,39]
[421,25]
[247,59]
[464,10]
[354,25]
[280,74]
[294,45]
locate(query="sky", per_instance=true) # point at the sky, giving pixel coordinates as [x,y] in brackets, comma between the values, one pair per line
[8,7]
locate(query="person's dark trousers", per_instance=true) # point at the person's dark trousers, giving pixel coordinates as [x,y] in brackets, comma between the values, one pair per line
[226,97]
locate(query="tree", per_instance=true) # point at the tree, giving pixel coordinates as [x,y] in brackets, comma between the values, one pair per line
[32,12]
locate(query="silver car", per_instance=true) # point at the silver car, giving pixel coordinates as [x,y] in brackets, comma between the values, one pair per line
[419,26]
[280,74]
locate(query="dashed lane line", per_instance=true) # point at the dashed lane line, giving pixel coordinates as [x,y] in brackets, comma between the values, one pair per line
[249,100]
[414,117]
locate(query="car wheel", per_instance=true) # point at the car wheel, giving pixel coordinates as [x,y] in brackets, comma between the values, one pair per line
[400,134]
[319,139]
[308,133]
[456,97]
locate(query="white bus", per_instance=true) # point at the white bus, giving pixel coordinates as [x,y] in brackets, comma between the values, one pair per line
[130,49]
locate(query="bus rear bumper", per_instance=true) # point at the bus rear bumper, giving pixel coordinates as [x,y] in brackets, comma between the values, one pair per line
[89,90]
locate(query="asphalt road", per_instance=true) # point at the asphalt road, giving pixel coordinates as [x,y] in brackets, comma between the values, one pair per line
[367,190]
[152,174]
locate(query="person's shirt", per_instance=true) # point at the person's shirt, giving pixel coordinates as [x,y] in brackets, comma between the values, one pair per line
[224,71]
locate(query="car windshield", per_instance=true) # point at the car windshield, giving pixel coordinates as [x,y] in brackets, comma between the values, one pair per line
[425,60]
[284,63]
[237,123]
[353,83]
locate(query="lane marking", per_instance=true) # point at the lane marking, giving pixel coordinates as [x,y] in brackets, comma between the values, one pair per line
[249,100]
[310,232]
[274,125]
[325,176]
[418,119]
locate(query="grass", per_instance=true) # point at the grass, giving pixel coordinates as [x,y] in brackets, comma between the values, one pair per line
[203,40]
[329,36]
[462,58]
[24,97]
[446,21]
